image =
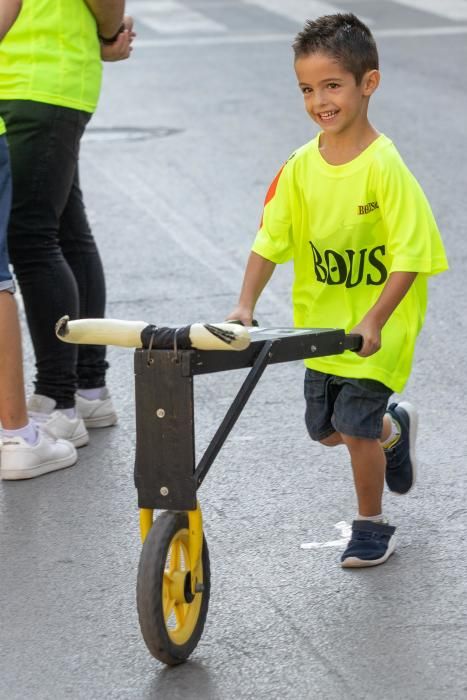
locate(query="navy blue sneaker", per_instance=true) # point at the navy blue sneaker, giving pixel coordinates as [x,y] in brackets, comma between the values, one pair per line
[401,463]
[370,544]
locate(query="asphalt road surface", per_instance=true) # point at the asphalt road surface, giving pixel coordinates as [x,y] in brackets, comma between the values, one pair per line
[175,166]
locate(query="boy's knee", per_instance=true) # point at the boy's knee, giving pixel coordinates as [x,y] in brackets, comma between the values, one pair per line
[357,443]
[331,440]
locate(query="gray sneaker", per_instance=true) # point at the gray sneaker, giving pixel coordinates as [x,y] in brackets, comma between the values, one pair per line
[97,413]
[55,422]
[20,460]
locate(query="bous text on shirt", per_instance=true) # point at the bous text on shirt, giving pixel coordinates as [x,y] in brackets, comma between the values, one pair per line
[350,267]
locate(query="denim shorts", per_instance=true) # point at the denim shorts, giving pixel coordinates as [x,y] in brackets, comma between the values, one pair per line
[354,407]
[6,280]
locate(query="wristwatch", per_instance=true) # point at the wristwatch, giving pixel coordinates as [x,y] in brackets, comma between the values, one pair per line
[110,40]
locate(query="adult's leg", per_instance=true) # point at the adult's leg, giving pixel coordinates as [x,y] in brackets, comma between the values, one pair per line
[81,253]
[44,147]
[26,451]
[13,414]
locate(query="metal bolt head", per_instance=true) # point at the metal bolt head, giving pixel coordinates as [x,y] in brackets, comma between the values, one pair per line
[313,348]
[164,491]
[160,413]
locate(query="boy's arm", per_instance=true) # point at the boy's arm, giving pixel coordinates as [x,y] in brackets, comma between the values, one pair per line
[257,274]
[9,11]
[108,15]
[371,325]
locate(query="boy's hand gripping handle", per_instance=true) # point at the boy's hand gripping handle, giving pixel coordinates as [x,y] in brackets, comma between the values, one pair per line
[353,341]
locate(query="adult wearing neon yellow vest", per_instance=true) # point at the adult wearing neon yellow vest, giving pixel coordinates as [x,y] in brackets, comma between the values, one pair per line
[26,450]
[50,78]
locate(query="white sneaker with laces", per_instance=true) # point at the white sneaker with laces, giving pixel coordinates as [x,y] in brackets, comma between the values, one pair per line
[55,422]
[20,460]
[97,413]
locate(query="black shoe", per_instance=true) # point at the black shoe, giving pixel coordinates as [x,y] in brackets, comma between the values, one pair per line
[370,544]
[401,463]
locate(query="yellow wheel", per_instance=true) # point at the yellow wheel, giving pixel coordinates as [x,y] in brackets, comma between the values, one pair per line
[171,617]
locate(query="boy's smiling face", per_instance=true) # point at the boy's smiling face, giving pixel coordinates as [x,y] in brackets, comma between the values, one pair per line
[332,97]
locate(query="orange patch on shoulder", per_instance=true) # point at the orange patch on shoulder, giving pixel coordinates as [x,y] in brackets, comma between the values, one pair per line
[271,191]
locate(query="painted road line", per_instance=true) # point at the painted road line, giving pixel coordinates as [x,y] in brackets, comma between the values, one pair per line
[287,38]
[449,9]
[297,10]
[172,17]
[301,10]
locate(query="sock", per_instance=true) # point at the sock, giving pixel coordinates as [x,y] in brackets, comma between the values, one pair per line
[372,518]
[394,436]
[28,433]
[92,394]
[69,412]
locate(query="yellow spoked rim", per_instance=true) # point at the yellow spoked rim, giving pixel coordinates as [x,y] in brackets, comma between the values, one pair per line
[180,617]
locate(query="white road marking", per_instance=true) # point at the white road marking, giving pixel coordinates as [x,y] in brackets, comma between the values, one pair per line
[420,31]
[301,10]
[172,17]
[449,9]
[298,10]
[345,531]
[287,38]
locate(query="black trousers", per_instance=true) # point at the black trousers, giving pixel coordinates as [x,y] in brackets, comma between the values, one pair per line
[51,247]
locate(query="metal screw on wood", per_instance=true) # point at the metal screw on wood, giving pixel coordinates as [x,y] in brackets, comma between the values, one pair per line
[164,491]
[160,413]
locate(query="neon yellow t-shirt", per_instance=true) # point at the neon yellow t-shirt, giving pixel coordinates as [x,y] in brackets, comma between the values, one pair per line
[52,55]
[347,227]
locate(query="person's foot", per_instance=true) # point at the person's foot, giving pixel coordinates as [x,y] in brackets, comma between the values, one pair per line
[96,413]
[370,544]
[20,460]
[57,423]
[401,463]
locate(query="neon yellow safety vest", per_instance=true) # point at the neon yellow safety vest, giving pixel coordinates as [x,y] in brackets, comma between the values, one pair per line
[52,55]
[2,126]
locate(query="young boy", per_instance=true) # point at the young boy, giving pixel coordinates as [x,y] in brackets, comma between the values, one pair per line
[363,240]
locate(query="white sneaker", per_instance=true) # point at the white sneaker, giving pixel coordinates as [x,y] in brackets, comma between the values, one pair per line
[55,422]
[20,460]
[97,413]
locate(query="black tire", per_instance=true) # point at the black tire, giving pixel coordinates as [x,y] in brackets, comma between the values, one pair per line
[169,528]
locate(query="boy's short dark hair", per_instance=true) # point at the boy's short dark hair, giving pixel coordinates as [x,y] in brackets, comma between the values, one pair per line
[343,37]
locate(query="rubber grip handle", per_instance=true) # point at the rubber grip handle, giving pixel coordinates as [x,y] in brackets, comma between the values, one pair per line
[353,341]
[254,322]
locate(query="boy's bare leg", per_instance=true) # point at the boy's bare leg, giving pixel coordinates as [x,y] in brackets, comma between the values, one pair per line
[13,412]
[372,541]
[369,467]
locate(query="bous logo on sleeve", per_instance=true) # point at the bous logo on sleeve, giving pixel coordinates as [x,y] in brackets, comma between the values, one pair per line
[367,208]
[351,267]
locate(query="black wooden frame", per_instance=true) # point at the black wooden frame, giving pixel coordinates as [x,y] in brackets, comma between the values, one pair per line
[166,475]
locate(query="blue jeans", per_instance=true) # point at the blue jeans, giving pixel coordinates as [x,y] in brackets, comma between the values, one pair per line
[51,247]
[6,281]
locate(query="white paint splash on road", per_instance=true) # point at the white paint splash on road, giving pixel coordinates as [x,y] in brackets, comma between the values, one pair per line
[345,531]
